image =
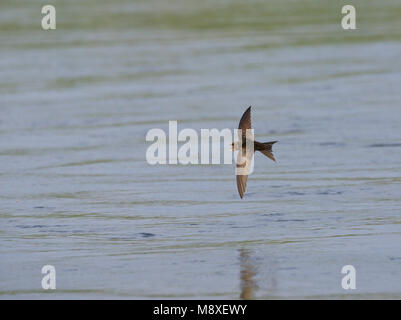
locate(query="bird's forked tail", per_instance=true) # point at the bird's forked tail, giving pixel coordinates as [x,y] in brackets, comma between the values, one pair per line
[267,149]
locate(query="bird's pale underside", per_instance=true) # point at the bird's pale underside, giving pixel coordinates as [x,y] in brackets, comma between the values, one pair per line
[244,157]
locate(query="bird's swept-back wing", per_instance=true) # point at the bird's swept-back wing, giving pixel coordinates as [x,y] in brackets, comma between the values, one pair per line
[243,168]
[244,124]
[241,185]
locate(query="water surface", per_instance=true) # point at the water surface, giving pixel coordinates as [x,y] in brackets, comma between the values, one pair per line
[76,191]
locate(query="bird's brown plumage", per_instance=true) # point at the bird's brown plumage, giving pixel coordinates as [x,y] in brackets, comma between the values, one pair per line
[244,158]
[245,122]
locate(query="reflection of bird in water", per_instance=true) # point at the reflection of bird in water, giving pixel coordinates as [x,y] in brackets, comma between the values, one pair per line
[247,274]
[244,158]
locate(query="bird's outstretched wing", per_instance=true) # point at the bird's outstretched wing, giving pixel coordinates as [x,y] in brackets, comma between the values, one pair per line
[243,168]
[241,184]
[244,124]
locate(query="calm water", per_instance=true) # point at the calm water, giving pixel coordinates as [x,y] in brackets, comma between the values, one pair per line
[77,193]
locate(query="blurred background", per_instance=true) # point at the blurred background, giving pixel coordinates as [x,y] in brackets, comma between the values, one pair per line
[76,191]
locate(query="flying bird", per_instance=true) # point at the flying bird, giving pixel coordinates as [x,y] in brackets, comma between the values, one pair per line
[245,154]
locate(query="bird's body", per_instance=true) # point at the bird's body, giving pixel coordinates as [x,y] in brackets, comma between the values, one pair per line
[244,158]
